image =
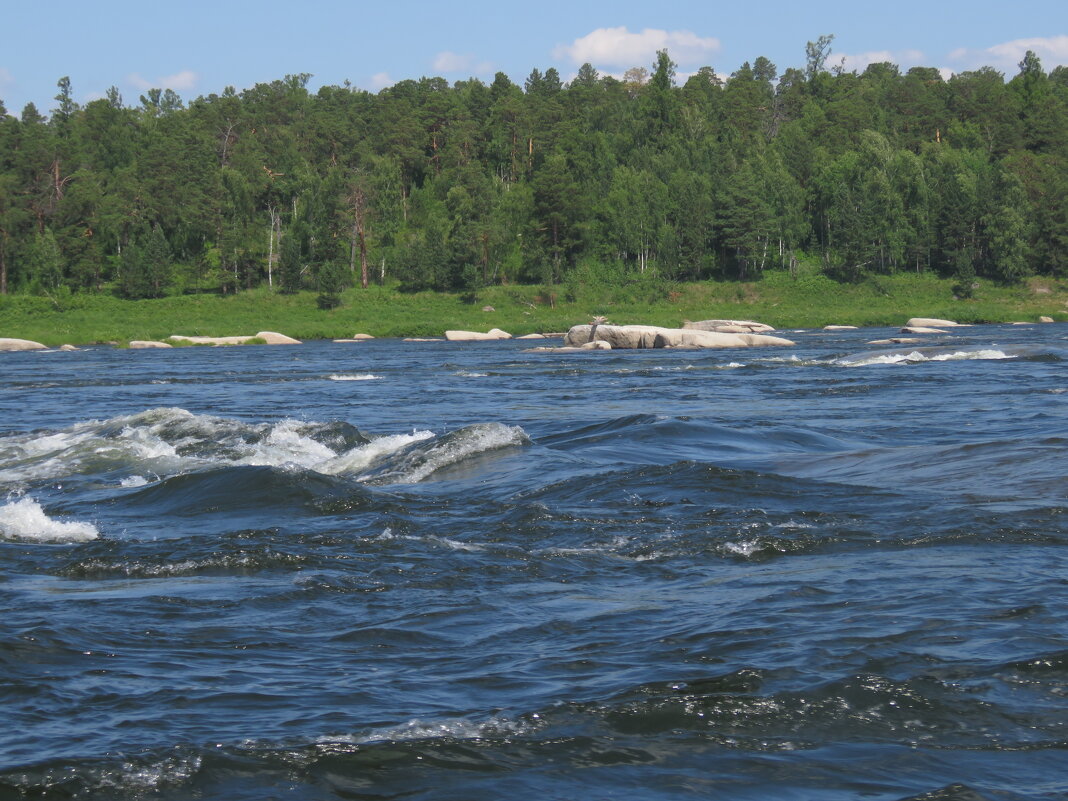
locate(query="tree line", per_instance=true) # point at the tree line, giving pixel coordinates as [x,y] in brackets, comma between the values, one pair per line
[453,187]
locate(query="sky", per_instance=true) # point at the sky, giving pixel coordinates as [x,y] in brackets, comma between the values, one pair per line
[197,47]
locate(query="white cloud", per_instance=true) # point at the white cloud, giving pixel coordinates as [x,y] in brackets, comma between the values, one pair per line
[860,61]
[1052,50]
[618,47]
[180,82]
[380,80]
[447,61]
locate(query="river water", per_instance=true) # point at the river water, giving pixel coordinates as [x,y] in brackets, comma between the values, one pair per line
[462,571]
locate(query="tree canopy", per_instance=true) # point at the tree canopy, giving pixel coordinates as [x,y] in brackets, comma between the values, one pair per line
[458,186]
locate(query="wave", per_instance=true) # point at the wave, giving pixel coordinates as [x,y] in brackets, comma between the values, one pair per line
[357,377]
[26,520]
[950,353]
[168,442]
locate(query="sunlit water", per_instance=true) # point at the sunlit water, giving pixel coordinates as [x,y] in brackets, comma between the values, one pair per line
[462,571]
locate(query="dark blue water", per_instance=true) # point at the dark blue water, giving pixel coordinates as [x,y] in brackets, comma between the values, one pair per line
[462,571]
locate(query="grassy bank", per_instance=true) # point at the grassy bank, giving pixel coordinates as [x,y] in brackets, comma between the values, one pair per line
[808,300]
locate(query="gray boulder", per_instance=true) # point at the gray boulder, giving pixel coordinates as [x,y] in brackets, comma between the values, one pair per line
[626,337]
[8,344]
[929,322]
[728,326]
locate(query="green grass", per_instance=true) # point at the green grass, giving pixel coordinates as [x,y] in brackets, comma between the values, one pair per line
[808,300]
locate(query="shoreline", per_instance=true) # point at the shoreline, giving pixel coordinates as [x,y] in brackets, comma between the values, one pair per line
[779,300]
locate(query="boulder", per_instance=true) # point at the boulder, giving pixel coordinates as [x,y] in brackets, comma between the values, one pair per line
[7,344]
[358,337]
[682,338]
[270,337]
[476,336]
[532,336]
[597,344]
[1045,319]
[650,336]
[839,328]
[209,340]
[618,336]
[921,329]
[146,344]
[929,322]
[728,326]
[488,309]
[896,341]
[274,338]
[67,348]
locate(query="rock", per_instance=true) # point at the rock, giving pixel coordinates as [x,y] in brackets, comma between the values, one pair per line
[274,338]
[270,337]
[422,339]
[929,322]
[210,340]
[532,336]
[728,326]
[146,344]
[618,336]
[476,336]
[921,329]
[839,328]
[650,336]
[7,344]
[597,344]
[67,348]
[896,341]
[488,309]
[358,337]
[682,338]
[1045,319]
[1020,322]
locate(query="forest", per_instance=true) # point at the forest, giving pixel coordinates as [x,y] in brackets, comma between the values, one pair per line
[647,177]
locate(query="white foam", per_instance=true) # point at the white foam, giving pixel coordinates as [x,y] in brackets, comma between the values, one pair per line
[133,481]
[362,456]
[24,519]
[744,548]
[918,357]
[356,377]
[475,439]
[446,728]
[285,445]
[467,374]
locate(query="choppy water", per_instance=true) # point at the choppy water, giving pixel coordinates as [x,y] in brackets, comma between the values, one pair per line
[460,571]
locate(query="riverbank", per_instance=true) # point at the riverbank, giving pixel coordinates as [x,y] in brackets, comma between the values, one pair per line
[783,301]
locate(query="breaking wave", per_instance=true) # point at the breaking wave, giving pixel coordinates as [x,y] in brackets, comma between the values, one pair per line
[168,442]
[24,519]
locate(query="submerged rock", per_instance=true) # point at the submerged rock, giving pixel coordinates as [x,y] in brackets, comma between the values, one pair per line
[146,344]
[839,328]
[9,344]
[929,322]
[921,329]
[476,336]
[68,348]
[728,326]
[896,341]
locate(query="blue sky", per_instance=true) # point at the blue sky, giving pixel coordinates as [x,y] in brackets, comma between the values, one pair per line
[198,47]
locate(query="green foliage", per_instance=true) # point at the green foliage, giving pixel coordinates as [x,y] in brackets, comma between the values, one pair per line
[466,187]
